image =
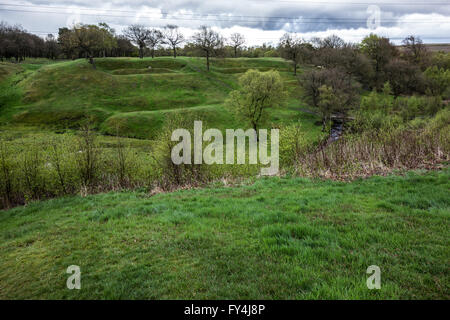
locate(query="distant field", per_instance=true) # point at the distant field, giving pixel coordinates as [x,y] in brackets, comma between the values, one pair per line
[285,238]
[435,47]
[445,47]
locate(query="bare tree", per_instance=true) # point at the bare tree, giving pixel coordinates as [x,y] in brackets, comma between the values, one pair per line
[172,37]
[51,46]
[155,37]
[15,42]
[138,34]
[3,39]
[237,40]
[124,47]
[293,48]
[416,51]
[332,42]
[208,41]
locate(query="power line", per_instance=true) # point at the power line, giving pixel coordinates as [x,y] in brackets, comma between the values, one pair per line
[390,3]
[177,14]
[354,3]
[314,20]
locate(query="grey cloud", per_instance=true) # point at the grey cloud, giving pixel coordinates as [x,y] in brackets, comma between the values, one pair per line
[294,16]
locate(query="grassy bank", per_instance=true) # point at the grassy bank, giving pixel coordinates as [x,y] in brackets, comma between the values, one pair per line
[274,239]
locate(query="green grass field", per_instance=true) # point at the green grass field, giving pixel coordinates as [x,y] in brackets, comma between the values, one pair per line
[285,238]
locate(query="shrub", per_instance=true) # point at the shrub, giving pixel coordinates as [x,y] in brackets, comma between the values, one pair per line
[6,175]
[31,165]
[437,81]
[410,107]
[378,152]
[87,156]
[171,175]
[441,59]
[377,120]
[292,144]
[271,54]
[404,77]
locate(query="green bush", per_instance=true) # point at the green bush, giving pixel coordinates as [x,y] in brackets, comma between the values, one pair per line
[437,81]
[293,145]
[271,54]
[410,107]
[170,175]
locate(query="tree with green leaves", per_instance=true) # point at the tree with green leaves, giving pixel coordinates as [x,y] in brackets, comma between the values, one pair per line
[88,39]
[380,51]
[109,40]
[343,96]
[258,92]
[437,81]
[328,104]
[66,42]
[404,77]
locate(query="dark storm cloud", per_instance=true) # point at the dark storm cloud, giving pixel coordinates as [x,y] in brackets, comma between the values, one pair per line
[265,15]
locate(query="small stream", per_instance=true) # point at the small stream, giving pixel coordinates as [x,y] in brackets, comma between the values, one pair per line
[337,128]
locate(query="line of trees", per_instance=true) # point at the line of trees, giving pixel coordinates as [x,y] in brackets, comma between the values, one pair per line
[16,43]
[90,41]
[80,41]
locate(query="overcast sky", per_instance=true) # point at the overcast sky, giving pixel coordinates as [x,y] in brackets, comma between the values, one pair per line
[261,21]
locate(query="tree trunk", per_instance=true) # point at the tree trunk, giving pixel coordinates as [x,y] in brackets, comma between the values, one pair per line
[153,53]
[255,127]
[207,60]
[141,52]
[235,52]
[91,61]
[174,52]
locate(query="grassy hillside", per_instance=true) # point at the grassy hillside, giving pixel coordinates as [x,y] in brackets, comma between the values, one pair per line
[274,239]
[131,96]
